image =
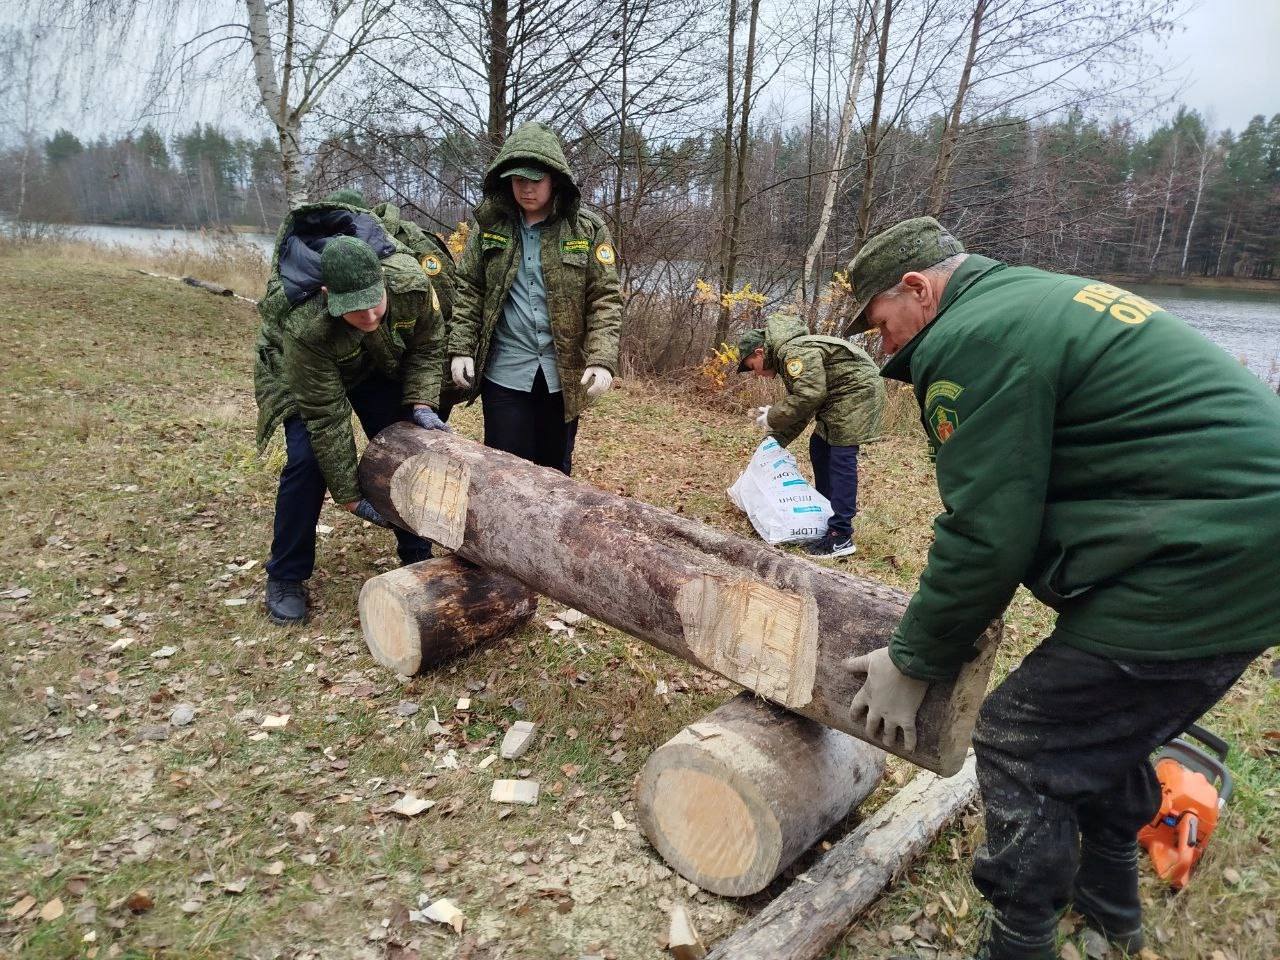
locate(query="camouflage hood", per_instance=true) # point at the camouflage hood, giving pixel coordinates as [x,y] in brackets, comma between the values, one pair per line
[303,236]
[779,330]
[533,143]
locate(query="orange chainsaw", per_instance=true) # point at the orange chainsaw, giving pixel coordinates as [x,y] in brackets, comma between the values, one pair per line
[1195,785]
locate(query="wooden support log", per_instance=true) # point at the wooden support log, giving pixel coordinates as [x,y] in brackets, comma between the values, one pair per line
[214,288]
[425,614]
[731,801]
[802,922]
[771,621]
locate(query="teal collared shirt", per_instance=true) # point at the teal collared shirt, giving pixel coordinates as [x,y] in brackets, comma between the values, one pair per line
[522,342]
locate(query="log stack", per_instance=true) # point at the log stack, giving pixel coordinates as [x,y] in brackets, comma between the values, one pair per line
[772,622]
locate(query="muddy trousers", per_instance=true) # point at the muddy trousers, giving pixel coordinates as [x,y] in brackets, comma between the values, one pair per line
[1063,759]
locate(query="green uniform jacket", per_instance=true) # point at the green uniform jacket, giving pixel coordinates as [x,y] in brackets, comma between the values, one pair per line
[1099,450]
[313,359]
[827,378]
[437,263]
[579,268]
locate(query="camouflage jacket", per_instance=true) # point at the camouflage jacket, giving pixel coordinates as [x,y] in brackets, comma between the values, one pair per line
[306,360]
[579,268]
[826,378]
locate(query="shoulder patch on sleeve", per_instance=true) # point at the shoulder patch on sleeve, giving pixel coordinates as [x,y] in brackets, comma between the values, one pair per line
[431,264]
[795,367]
[606,255]
[942,390]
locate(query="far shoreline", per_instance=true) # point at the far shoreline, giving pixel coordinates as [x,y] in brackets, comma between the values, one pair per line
[1239,284]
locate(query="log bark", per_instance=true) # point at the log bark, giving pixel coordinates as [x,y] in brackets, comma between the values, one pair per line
[428,613]
[775,623]
[804,921]
[214,288]
[732,800]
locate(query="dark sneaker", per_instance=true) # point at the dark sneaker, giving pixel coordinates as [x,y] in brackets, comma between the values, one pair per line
[286,601]
[832,545]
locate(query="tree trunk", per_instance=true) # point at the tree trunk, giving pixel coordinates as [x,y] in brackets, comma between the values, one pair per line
[732,800]
[726,180]
[803,922]
[1195,208]
[871,137]
[951,129]
[1164,213]
[858,62]
[744,147]
[499,62]
[772,622]
[429,613]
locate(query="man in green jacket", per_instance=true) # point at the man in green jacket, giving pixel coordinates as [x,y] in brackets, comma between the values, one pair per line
[368,337]
[836,383]
[1095,448]
[537,309]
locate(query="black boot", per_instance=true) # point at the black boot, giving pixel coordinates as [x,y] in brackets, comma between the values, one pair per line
[414,555]
[286,602]
[1106,892]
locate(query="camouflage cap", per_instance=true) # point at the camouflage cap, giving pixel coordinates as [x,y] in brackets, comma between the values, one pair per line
[352,274]
[748,343]
[915,244]
[352,198]
[529,173]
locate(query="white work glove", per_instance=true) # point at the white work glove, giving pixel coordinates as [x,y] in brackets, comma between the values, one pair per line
[463,372]
[761,417]
[600,378]
[888,698]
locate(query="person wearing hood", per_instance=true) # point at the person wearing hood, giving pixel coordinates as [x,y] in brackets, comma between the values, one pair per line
[537,309]
[829,380]
[349,323]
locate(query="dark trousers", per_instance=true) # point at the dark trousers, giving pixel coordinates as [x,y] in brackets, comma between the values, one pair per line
[1063,759]
[529,424]
[300,495]
[835,475]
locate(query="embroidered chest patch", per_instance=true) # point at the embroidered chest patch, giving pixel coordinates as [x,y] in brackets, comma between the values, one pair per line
[494,241]
[578,245]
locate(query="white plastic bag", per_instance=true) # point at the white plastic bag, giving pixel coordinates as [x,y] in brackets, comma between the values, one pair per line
[780,503]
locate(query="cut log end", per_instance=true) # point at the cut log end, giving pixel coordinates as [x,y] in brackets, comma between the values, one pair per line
[731,801]
[390,627]
[427,613]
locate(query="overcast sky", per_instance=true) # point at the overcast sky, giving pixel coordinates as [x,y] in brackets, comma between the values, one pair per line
[1230,56]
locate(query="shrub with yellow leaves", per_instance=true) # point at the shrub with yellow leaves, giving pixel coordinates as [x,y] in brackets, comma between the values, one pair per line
[458,239]
[716,368]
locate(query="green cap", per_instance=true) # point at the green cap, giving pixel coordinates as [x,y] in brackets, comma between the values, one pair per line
[352,198]
[748,343]
[529,173]
[352,274]
[915,244]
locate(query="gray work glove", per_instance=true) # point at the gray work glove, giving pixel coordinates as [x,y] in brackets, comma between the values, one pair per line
[428,419]
[888,698]
[365,511]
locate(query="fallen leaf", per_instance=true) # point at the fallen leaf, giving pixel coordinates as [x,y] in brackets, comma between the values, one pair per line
[191,906]
[140,901]
[236,886]
[182,715]
[619,822]
[410,805]
[164,652]
[274,868]
[302,821]
[273,722]
[52,910]
[22,907]
[900,933]
[443,911]
[1231,876]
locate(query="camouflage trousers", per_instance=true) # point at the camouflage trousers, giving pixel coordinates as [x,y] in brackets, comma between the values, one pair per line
[1063,755]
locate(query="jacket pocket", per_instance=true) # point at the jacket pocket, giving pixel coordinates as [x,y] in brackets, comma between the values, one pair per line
[1048,587]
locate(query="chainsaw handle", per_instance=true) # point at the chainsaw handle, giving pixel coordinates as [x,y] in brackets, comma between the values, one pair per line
[1210,740]
[1211,766]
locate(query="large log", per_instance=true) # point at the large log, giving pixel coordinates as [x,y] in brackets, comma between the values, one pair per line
[804,921]
[771,621]
[428,613]
[731,801]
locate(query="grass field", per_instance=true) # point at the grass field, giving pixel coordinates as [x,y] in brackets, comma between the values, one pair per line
[137,513]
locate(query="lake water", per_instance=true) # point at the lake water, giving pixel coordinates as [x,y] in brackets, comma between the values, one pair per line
[1246,325]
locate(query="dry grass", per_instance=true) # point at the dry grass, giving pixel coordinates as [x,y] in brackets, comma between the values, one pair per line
[132,502]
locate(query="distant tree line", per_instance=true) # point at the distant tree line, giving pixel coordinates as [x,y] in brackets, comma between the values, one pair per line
[203,177]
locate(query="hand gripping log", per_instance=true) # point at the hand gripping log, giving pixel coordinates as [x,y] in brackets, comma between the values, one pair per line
[777,624]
